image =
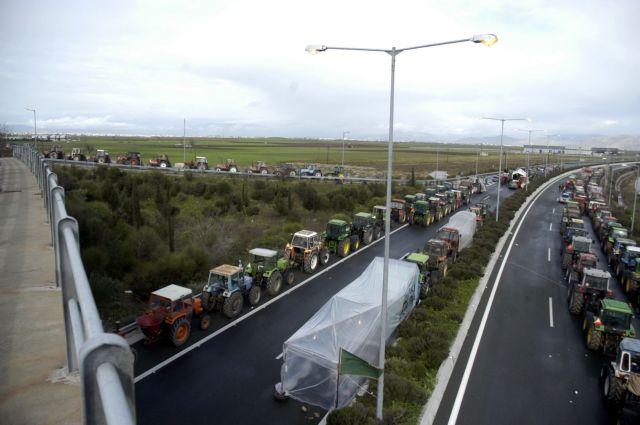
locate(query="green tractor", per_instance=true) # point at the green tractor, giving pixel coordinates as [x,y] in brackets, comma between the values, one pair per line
[422,261]
[608,325]
[338,238]
[364,228]
[421,214]
[621,377]
[379,214]
[268,269]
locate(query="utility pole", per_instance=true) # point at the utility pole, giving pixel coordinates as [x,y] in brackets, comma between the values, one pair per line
[184,146]
[636,188]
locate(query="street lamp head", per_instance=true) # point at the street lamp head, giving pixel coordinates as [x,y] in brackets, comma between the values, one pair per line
[486,39]
[314,49]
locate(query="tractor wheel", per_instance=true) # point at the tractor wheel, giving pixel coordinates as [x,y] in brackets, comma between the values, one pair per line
[218,169]
[163,164]
[576,303]
[100,160]
[206,306]
[343,248]
[411,219]
[324,257]
[232,305]
[179,331]
[289,277]
[587,321]
[264,171]
[76,158]
[402,219]
[317,174]
[292,173]
[445,269]
[255,294]
[205,321]
[53,155]
[377,233]
[367,237]
[275,283]
[233,170]
[310,263]
[613,390]
[424,289]
[249,171]
[594,338]
[355,242]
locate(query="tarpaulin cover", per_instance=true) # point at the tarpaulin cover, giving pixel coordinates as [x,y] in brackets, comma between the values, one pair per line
[465,222]
[349,320]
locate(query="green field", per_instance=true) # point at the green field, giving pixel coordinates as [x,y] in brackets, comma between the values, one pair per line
[362,158]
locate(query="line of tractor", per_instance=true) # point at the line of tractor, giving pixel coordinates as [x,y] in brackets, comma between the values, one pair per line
[174,309]
[606,321]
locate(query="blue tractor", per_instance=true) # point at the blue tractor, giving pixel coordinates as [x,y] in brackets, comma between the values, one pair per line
[226,289]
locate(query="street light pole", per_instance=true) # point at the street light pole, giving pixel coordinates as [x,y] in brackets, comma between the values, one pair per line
[344,133]
[502,120]
[636,188]
[528,156]
[184,145]
[35,127]
[486,39]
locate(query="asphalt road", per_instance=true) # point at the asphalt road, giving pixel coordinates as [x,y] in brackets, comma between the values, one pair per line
[230,378]
[532,365]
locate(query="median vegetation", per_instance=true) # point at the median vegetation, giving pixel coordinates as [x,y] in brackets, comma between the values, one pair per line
[424,339]
[143,231]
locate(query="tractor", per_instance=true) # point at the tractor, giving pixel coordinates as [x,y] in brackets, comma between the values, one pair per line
[226,289]
[311,170]
[617,252]
[161,161]
[229,166]
[436,208]
[422,261]
[259,168]
[338,238]
[451,238]
[398,211]
[628,270]
[102,157]
[584,260]
[579,244]
[379,214]
[338,172]
[445,205]
[600,217]
[365,228]
[268,270]
[606,228]
[457,199]
[199,163]
[587,289]
[621,376]
[438,262]
[170,312]
[130,158]
[615,233]
[422,214]
[608,325]
[572,222]
[55,153]
[77,155]
[286,170]
[306,250]
[479,217]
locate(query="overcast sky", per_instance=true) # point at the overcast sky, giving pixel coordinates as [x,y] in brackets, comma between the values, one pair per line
[238,68]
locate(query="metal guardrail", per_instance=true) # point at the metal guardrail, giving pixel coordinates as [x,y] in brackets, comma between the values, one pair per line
[104,360]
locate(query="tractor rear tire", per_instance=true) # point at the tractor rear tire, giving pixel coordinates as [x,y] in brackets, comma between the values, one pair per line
[310,263]
[289,277]
[275,283]
[179,331]
[343,247]
[205,321]
[613,390]
[264,171]
[355,242]
[255,295]
[576,303]
[445,269]
[594,338]
[233,170]
[292,173]
[324,257]
[367,238]
[377,233]
[232,305]
[163,164]
[411,219]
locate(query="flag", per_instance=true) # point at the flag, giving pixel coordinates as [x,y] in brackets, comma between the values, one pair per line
[350,364]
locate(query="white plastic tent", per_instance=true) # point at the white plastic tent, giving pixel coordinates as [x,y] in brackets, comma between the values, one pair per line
[349,320]
[465,222]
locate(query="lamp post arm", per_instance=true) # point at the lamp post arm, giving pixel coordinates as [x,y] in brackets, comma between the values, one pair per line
[434,44]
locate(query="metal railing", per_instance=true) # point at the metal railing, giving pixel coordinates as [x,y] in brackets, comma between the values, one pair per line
[104,360]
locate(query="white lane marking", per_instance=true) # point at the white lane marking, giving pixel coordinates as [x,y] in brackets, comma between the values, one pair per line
[554,211]
[549,254]
[251,313]
[455,410]
[282,354]
[550,313]
[550,226]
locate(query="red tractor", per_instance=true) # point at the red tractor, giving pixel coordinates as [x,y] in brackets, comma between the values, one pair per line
[229,166]
[130,158]
[170,312]
[398,209]
[161,161]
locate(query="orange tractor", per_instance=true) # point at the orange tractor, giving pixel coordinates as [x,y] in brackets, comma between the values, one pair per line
[171,310]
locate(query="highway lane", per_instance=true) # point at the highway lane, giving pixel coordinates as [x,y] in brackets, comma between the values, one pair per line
[233,375]
[532,365]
